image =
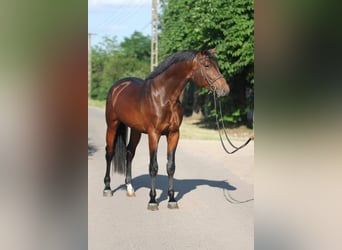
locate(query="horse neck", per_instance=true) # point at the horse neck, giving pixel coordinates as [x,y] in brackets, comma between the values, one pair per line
[172,82]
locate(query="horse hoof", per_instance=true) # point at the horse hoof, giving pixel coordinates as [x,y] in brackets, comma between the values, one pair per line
[130,194]
[172,205]
[152,206]
[107,193]
[130,190]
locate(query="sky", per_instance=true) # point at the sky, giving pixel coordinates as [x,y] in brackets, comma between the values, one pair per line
[118,18]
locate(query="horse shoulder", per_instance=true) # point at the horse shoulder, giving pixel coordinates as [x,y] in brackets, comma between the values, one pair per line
[176,116]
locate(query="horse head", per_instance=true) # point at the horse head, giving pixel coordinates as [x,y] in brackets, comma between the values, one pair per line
[206,73]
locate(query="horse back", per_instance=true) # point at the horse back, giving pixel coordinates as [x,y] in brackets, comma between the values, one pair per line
[123,100]
[133,80]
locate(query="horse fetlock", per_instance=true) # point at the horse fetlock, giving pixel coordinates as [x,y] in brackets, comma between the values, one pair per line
[107,180]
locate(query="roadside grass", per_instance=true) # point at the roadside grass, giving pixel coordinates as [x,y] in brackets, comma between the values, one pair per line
[190,129]
[193,129]
[96,103]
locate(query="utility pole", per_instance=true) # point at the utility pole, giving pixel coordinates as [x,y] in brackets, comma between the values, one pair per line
[154,37]
[89,63]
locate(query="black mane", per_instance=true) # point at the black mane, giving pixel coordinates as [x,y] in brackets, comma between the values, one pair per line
[185,55]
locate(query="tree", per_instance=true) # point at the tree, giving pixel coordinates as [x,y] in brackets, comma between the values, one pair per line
[227,25]
[137,46]
[112,61]
[101,56]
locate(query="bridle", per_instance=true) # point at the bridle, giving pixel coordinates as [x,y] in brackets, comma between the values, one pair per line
[213,89]
[209,80]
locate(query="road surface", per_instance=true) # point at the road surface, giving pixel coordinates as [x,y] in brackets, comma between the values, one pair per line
[214,192]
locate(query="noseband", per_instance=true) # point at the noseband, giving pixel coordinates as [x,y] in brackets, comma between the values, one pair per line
[209,80]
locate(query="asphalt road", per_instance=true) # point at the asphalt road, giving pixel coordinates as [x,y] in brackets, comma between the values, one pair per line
[214,192]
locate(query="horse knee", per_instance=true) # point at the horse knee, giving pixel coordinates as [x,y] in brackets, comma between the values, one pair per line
[130,154]
[153,169]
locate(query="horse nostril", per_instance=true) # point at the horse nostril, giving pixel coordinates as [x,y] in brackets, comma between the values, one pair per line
[225,91]
[222,92]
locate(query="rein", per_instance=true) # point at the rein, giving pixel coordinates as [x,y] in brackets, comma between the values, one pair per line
[224,129]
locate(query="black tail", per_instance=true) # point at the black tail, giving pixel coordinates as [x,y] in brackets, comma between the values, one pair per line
[120,150]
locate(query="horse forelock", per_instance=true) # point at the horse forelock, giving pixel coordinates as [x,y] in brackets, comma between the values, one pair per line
[211,56]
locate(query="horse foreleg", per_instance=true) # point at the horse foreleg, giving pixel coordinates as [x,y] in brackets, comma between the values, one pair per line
[172,141]
[133,142]
[153,139]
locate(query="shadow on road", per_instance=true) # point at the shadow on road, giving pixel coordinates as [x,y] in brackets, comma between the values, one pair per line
[91,149]
[181,186]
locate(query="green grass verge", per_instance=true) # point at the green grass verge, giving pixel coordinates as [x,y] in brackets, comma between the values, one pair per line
[96,103]
[189,130]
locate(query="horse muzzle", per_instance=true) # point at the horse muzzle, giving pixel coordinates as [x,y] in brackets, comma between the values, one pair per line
[222,91]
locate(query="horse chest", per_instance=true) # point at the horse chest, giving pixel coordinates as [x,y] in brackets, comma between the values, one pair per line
[171,119]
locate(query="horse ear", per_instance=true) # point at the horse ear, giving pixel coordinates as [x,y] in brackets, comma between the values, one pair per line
[212,51]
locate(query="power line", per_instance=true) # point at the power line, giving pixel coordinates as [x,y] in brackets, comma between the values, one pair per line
[122,15]
[112,17]
[146,26]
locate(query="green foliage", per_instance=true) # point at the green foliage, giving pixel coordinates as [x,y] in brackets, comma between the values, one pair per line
[228,26]
[112,61]
[137,46]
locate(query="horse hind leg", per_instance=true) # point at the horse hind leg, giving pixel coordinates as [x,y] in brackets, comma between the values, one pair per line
[133,143]
[110,136]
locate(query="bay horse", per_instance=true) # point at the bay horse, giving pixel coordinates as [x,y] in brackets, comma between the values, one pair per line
[152,106]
